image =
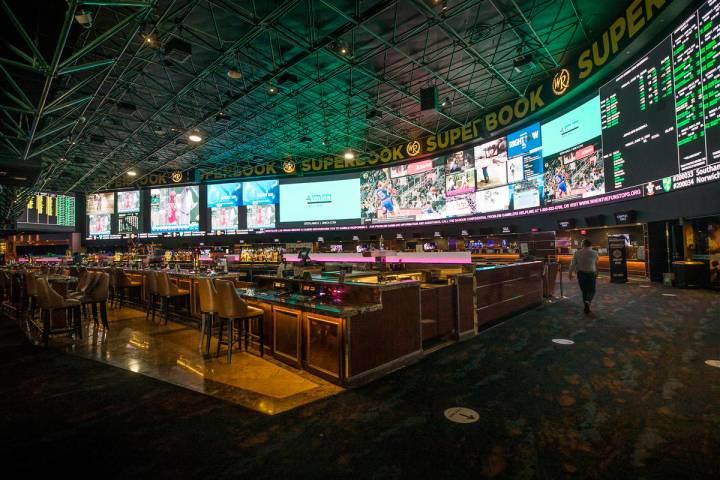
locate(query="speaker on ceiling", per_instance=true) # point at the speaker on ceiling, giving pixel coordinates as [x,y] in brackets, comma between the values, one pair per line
[428,98]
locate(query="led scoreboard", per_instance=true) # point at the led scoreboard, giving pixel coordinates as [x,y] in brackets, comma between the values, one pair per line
[50,209]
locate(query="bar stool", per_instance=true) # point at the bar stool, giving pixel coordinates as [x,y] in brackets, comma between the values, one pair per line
[97,294]
[151,292]
[124,283]
[50,301]
[85,284]
[232,307]
[31,292]
[168,290]
[208,309]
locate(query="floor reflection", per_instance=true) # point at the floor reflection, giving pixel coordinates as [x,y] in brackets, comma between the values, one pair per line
[170,353]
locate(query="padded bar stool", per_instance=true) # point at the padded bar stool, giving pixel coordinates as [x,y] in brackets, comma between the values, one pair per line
[97,294]
[124,284]
[50,301]
[208,309]
[168,290]
[232,307]
[151,293]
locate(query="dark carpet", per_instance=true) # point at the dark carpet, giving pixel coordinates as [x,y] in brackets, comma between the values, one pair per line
[632,398]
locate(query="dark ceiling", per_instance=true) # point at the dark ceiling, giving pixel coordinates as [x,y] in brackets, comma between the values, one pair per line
[120,93]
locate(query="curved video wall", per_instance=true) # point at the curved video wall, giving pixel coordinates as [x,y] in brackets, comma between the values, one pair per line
[652,129]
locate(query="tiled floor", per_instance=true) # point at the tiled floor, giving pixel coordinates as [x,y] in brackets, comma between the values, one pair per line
[170,353]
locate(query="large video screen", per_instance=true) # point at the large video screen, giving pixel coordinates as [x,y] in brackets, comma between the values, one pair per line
[388,199]
[224,195]
[100,203]
[572,128]
[224,218]
[261,216]
[491,163]
[317,203]
[99,224]
[48,211]
[128,201]
[175,209]
[261,192]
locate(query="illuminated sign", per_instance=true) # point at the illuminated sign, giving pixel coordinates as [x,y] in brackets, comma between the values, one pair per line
[561,82]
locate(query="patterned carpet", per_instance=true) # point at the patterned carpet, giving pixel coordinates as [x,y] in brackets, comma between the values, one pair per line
[631,398]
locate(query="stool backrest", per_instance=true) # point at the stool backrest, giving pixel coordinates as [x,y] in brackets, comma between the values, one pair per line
[229,304]
[150,282]
[100,290]
[30,284]
[48,298]
[208,295]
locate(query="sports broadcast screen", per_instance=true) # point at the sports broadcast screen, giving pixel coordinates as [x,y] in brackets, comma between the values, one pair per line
[573,128]
[491,163]
[388,199]
[128,223]
[99,224]
[47,210]
[317,203]
[128,201]
[99,203]
[175,209]
[224,195]
[261,192]
[223,218]
[261,216]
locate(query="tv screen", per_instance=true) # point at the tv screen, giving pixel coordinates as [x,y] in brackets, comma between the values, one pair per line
[261,216]
[128,201]
[128,223]
[224,195]
[48,211]
[99,224]
[491,163]
[493,200]
[579,125]
[574,173]
[527,193]
[317,203]
[261,192]
[174,209]
[98,203]
[224,218]
[336,248]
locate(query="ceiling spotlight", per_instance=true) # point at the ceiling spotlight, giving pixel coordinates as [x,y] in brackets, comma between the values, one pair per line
[342,48]
[440,3]
[222,117]
[326,141]
[195,136]
[234,74]
[150,40]
[272,90]
[84,18]
[349,155]
[446,103]
[131,173]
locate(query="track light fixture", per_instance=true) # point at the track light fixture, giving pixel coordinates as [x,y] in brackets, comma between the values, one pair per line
[195,136]
[234,74]
[326,141]
[446,103]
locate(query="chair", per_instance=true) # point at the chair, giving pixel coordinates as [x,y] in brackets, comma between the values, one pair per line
[208,309]
[31,292]
[168,290]
[151,292]
[96,294]
[232,307]
[124,283]
[50,301]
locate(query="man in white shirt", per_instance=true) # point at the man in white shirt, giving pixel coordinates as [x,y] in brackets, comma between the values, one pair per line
[584,262]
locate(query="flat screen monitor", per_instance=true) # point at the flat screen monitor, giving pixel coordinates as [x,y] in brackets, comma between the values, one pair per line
[100,203]
[128,201]
[99,224]
[48,211]
[261,216]
[175,209]
[261,192]
[577,126]
[224,194]
[223,218]
[320,202]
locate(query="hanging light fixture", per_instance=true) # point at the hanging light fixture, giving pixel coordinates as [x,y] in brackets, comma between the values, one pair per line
[195,136]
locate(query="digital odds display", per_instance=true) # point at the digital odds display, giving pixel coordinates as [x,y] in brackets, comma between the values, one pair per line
[48,210]
[175,209]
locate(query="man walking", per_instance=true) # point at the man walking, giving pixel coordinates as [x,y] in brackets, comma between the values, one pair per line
[584,262]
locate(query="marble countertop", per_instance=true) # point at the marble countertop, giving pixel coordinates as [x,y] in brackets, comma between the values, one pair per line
[303,302]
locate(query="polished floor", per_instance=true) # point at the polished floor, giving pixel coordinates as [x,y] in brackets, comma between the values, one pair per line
[171,353]
[631,398]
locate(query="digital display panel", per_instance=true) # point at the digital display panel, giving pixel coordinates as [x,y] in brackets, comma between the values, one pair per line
[224,195]
[460,173]
[175,209]
[99,224]
[493,200]
[410,197]
[261,216]
[527,193]
[574,173]
[223,218]
[128,201]
[261,192]
[573,128]
[327,202]
[98,203]
[128,223]
[491,163]
[47,209]
[411,168]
